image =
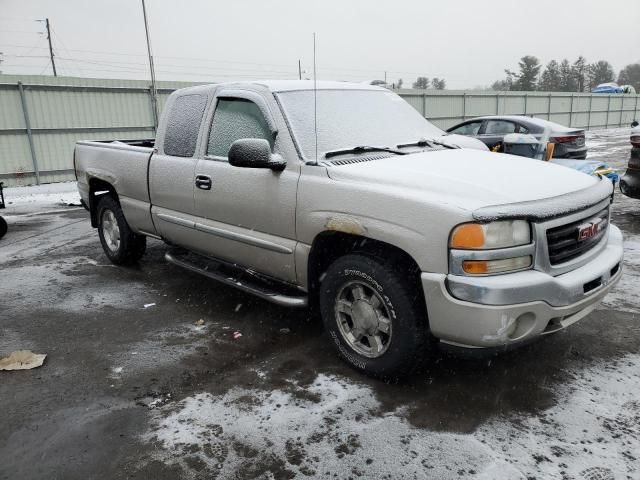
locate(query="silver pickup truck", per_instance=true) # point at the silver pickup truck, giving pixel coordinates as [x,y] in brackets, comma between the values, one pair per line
[346,198]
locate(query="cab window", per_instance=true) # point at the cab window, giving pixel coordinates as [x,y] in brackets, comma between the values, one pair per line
[183,125]
[236,118]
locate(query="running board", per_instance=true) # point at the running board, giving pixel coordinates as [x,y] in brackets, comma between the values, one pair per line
[239,278]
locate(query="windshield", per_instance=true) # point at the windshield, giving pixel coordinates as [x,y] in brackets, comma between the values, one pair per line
[350,118]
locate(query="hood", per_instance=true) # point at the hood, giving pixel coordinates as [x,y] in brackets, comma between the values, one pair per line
[464,178]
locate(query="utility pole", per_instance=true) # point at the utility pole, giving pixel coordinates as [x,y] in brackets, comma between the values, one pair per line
[53,63]
[154,93]
[299,70]
[385,78]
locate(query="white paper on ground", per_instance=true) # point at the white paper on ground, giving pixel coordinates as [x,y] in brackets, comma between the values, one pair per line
[22,360]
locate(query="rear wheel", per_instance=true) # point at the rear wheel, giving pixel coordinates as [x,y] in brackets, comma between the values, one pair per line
[375,315]
[119,242]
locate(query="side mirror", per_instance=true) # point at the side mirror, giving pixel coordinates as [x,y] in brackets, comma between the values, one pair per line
[254,153]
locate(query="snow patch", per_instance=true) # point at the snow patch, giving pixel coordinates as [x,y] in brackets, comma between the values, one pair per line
[65,193]
[338,428]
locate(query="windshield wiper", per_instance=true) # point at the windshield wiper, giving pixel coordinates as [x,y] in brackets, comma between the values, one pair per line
[423,142]
[362,149]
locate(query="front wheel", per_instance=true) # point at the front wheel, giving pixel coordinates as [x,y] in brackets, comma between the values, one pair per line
[375,315]
[119,242]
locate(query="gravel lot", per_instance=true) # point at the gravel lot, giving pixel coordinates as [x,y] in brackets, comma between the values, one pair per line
[145,377]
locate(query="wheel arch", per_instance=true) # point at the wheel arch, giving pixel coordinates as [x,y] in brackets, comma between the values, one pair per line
[98,188]
[328,246]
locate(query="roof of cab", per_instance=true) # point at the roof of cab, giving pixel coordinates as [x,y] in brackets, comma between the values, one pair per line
[285,86]
[291,85]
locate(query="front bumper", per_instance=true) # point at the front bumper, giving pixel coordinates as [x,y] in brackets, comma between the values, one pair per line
[500,310]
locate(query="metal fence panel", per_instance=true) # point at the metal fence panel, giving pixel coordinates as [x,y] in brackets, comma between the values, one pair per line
[41,117]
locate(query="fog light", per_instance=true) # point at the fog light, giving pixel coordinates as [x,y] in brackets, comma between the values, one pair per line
[488,267]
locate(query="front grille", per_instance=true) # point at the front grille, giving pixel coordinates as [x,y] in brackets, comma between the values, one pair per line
[564,242]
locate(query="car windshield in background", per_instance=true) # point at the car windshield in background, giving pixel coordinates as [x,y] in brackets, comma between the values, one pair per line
[350,118]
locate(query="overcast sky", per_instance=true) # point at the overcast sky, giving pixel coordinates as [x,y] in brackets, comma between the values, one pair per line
[468,42]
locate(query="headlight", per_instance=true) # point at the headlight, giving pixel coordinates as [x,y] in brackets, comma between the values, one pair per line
[491,248]
[486,236]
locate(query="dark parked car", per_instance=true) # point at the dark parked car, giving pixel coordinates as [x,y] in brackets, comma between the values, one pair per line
[630,182]
[569,142]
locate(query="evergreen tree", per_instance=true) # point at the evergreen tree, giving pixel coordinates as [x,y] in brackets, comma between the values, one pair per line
[600,72]
[527,77]
[550,80]
[579,71]
[567,80]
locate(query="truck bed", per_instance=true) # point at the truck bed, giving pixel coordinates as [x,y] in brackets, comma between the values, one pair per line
[122,164]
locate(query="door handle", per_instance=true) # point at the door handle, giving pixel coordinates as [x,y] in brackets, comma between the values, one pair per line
[203,182]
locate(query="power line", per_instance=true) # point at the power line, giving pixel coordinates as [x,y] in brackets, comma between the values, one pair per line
[53,63]
[16,19]
[325,68]
[29,32]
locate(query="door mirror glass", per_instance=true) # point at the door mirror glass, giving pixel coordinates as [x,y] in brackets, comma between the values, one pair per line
[254,153]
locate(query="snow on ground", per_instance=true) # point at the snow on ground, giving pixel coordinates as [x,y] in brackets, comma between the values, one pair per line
[621,297]
[338,428]
[65,193]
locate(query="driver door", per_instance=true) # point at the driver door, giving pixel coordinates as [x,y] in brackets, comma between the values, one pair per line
[247,215]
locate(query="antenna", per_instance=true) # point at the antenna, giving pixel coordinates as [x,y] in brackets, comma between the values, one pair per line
[315,97]
[154,91]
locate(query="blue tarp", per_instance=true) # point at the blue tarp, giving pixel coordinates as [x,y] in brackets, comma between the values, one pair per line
[586,166]
[607,88]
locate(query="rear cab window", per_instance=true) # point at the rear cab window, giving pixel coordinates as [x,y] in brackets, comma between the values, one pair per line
[233,119]
[183,124]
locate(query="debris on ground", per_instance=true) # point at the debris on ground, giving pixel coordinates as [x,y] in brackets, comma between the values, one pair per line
[147,305]
[22,360]
[285,331]
[236,335]
[238,307]
[199,322]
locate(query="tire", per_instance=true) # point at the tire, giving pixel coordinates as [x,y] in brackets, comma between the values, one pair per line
[361,296]
[120,244]
[3,227]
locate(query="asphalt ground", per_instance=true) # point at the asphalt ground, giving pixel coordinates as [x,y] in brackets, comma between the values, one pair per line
[147,377]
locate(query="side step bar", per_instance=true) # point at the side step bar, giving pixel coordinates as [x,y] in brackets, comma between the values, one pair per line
[238,278]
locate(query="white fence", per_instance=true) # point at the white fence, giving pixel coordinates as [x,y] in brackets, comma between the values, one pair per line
[41,117]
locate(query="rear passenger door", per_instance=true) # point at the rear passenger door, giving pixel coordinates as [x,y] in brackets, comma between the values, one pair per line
[493,132]
[172,169]
[246,214]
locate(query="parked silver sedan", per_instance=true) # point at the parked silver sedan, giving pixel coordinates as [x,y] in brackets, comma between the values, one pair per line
[569,142]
